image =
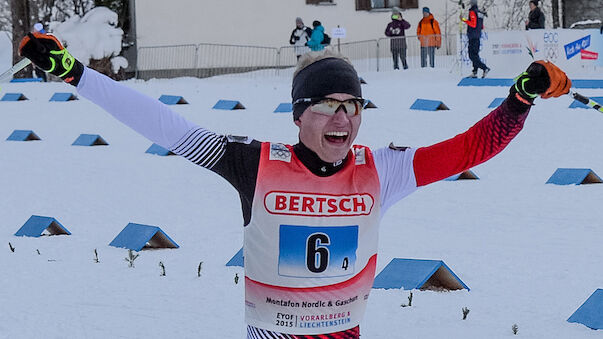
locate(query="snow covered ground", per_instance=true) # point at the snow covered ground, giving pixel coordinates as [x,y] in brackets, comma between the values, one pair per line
[530,252]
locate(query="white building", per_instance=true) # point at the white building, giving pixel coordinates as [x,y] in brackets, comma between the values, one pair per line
[270,22]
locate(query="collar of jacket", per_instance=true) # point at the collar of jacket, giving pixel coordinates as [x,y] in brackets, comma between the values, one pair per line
[314,163]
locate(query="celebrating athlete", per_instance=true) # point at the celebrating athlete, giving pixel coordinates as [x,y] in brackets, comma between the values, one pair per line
[311,210]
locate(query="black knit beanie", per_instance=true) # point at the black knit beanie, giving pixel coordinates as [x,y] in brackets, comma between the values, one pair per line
[324,77]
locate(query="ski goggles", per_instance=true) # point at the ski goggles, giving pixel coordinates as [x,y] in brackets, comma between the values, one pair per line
[330,106]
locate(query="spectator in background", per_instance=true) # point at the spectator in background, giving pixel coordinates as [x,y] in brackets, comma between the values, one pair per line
[428,33]
[475,24]
[395,30]
[536,17]
[38,72]
[318,35]
[299,37]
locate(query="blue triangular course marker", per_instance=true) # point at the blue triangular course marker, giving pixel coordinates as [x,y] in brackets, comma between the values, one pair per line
[428,105]
[574,176]
[485,82]
[578,104]
[496,102]
[237,259]
[467,175]
[412,274]
[27,80]
[137,237]
[370,104]
[36,225]
[362,81]
[13,97]
[89,140]
[590,314]
[172,100]
[63,97]
[228,105]
[285,107]
[158,150]
[23,135]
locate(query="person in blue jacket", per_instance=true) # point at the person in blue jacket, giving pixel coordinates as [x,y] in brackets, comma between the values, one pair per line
[318,34]
[475,24]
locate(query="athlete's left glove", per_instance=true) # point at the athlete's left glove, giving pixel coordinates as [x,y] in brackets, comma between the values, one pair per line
[541,78]
[46,52]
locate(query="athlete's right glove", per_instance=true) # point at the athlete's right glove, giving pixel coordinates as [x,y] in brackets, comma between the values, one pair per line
[46,52]
[541,78]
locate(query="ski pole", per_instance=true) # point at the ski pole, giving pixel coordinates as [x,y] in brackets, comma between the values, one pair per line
[16,68]
[587,101]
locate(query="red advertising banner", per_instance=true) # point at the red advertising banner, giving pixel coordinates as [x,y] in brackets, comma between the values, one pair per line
[588,55]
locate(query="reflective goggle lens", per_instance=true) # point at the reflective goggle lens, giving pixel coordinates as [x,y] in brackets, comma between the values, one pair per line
[329,106]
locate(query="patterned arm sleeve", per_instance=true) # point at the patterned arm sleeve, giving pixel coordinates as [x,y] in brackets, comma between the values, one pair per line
[237,162]
[147,116]
[153,119]
[481,142]
[201,147]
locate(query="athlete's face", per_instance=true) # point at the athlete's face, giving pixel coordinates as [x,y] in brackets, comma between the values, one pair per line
[329,136]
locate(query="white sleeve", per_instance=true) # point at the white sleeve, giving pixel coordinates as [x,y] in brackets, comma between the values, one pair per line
[396,175]
[147,116]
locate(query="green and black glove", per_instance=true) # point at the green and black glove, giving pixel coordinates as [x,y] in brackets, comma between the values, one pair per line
[47,52]
[541,78]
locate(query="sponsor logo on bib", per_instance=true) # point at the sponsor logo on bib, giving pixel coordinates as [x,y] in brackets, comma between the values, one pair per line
[318,205]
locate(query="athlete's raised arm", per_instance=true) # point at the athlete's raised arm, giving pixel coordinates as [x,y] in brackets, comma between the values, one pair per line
[493,133]
[235,160]
[144,114]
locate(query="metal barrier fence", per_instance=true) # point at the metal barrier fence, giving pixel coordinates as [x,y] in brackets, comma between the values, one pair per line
[206,60]
[445,56]
[167,61]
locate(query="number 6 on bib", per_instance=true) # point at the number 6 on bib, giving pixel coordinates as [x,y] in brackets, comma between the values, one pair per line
[317,252]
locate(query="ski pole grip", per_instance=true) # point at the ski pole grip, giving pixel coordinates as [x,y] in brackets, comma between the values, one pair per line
[581,98]
[39,47]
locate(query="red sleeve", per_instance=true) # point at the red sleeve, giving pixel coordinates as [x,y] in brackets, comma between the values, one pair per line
[472,22]
[479,143]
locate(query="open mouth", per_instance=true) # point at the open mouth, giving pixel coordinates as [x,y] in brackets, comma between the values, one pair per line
[336,137]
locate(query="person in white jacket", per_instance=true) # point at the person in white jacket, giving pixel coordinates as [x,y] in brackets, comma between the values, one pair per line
[299,37]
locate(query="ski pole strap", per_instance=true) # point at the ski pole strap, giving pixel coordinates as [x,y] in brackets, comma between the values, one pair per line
[520,83]
[67,61]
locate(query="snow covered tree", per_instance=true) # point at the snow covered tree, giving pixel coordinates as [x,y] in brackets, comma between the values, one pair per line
[90,30]
[23,14]
[94,39]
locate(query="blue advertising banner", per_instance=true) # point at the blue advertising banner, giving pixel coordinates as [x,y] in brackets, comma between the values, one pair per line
[574,48]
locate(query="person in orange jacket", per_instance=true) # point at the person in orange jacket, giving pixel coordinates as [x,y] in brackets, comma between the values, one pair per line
[428,33]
